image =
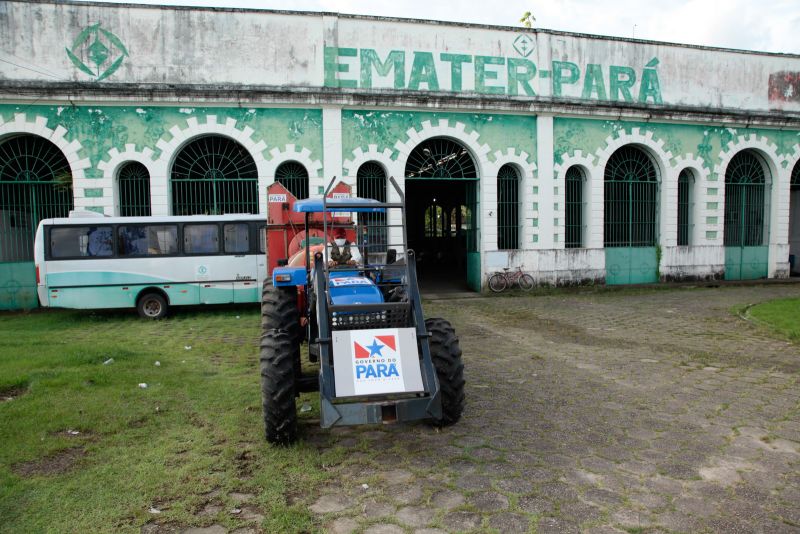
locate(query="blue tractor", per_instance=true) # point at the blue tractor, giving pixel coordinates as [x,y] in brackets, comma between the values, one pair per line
[380,360]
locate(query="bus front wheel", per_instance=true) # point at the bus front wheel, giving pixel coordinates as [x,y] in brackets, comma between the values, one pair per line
[152,306]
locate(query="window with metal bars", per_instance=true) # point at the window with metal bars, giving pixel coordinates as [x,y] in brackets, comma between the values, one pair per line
[631,199]
[134,190]
[685,185]
[508,198]
[35,184]
[214,175]
[371,183]
[573,207]
[294,177]
[745,196]
[795,180]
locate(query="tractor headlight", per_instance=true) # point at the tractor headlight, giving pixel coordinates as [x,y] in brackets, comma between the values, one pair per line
[283,277]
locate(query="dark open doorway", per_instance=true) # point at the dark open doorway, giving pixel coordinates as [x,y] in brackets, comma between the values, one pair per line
[441,200]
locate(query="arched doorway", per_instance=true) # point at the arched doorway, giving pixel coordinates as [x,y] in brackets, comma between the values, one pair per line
[214,175]
[442,208]
[631,217]
[794,220]
[35,184]
[746,230]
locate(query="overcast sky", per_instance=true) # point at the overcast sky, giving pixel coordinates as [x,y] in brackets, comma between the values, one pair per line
[766,25]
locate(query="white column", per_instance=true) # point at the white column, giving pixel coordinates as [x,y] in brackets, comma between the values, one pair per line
[331,144]
[548,198]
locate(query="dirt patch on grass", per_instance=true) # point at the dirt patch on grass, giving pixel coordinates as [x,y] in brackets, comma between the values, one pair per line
[55,464]
[10,394]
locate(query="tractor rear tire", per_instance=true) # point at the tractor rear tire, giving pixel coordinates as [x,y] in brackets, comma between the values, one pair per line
[446,356]
[278,387]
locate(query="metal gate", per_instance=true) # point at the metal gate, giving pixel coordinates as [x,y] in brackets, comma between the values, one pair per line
[214,175]
[35,184]
[746,256]
[631,215]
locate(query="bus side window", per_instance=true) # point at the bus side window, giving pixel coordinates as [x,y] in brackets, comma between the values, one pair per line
[148,240]
[237,238]
[81,241]
[201,239]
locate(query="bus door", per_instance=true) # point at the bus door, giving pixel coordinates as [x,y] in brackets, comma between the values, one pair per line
[241,249]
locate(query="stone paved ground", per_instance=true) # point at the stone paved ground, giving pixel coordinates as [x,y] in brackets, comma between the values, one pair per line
[631,411]
[656,410]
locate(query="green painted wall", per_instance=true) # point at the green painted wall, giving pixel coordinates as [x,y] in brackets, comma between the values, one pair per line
[99,129]
[706,142]
[384,128]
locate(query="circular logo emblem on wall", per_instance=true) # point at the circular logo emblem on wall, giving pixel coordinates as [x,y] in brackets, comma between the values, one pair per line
[524,44]
[97,52]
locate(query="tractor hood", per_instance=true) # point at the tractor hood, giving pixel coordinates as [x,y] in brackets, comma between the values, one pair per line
[354,290]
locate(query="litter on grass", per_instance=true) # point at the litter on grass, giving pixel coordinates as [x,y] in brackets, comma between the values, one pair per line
[143,385]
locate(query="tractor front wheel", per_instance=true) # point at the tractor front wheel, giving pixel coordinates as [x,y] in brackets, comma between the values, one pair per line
[446,356]
[278,387]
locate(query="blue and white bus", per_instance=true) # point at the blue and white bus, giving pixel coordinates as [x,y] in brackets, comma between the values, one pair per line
[150,263]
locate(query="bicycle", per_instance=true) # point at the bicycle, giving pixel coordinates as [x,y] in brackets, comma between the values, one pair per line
[499,281]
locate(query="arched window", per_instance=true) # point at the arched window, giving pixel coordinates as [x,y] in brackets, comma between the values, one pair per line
[214,175]
[574,181]
[745,181]
[631,199]
[294,177]
[134,190]
[35,184]
[508,200]
[371,183]
[440,158]
[685,186]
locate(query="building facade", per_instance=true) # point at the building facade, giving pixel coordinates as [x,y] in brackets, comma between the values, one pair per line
[581,159]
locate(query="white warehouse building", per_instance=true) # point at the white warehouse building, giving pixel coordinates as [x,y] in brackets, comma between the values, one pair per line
[579,158]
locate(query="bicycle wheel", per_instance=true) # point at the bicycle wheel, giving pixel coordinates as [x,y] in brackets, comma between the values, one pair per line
[497,282]
[526,282]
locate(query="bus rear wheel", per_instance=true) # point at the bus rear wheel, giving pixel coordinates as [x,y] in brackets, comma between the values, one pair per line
[152,306]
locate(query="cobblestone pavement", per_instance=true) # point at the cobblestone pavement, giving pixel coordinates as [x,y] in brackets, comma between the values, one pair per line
[631,411]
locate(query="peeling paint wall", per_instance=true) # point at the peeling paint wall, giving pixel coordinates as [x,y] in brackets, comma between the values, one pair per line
[113,84]
[83,42]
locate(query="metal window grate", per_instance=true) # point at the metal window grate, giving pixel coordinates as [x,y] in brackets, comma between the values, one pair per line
[35,184]
[214,175]
[371,183]
[631,199]
[134,190]
[685,181]
[574,208]
[745,187]
[440,158]
[507,208]
[795,181]
[294,177]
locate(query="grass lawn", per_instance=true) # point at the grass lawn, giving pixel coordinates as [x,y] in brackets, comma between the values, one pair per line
[781,315]
[84,449]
